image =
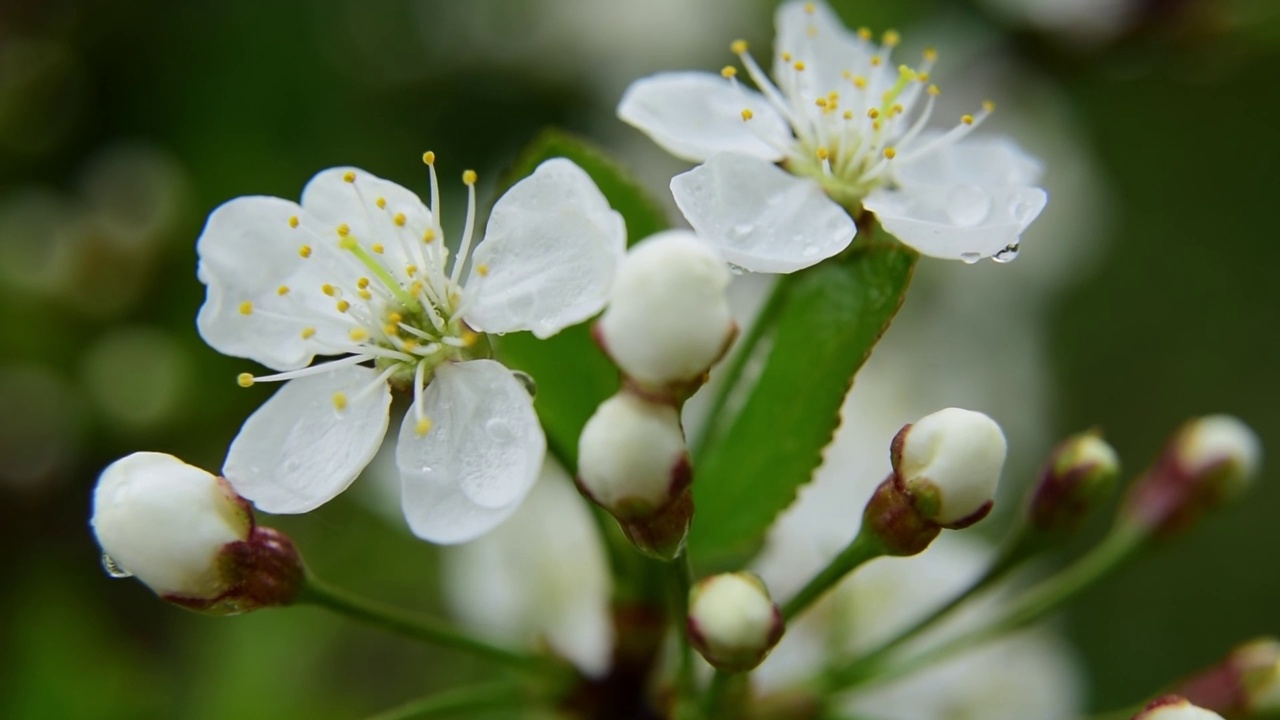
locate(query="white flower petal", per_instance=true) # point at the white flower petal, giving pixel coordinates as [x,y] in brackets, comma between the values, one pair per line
[987,161]
[828,50]
[549,254]
[694,115]
[333,201]
[483,452]
[248,252]
[761,217]
[960,222]
[298,450]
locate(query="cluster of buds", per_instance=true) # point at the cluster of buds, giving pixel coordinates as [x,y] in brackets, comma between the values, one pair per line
[190,538]
[945,470]
[666,324]
[1173,707]
[733,622]
[1208,461]
[1245,684]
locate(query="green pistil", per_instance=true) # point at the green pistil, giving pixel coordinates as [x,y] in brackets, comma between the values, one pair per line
[409,302]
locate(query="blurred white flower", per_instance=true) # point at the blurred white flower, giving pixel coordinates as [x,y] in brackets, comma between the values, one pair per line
[360,270]
[850,130]
[540,577]
[1088,21]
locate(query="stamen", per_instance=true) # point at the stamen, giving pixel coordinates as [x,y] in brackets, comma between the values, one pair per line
[399,219]
[348,176]
[482,269]
[377,382]
[469,179]
[340,401]
[890,153]
[729,72]
[422,427]
[966,119]
[738,47]
[246,308]
[747,114]
[377,248]
[318,369]
[343,306]
[328,289]
[282,290]
[419,374]
[891,39]
[244,380]
[293,221]
[358,334]
[305,251]
[308,333]
[381,203]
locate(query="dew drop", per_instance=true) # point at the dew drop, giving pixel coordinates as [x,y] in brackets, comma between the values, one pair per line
[968,205]
[970,258]
[1021,210]
[742,230]
[530,385]
[499,430]
[1007,255]
[113,568]
[810,249]
[737,269]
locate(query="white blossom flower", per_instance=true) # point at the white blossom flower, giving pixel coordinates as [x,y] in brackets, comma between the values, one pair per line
[359,270]
[848,129]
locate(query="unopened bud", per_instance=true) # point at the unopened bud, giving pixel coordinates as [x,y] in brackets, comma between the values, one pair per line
[1077,477]
[189,537]
[1245,684]
[950,462]
[733,622]
[632,462]
[668,319]
[1173,707]
[1208,461]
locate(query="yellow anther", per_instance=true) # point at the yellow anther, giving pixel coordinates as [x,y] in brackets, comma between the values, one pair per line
[348,176]
[934,90]
[308,333]
[377,247]
[429,158]
[747,114]
[394,317]
[848,114]
[415,289]
[897,109]
[305,251]
[891,38]
[381,202]
[860,82]
[293,221]
[469,338]
[399,219]
[873,113]
[799,66]
[786,57]
[362,283]
[876,125]
[340,401]
[966,119]
[930,54]
[876,61]
[410,345]
[729,71]
[282,290]
[358,334]
[988,106]
[469,177]
[410,270]
[390,329]
[244,380]
[343,306]
[810,8]
[823,153]
[833,96]
[890,153]
[737,47]
[822,103]
[364,294]
[328,289]
[923,77]
[864,33]
[344,230]
[246,307]
[482,269]
[428,235]
[423,427]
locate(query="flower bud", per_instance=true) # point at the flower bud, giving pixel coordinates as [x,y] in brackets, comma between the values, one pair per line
[949,463]
[1079,473]
[1209,460]
[668,319]
[1172,707]
[632,461]
[1245,684]
[189,537]
[733,622]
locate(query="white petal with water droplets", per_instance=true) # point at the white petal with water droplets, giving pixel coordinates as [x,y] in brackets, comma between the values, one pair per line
[828,50]
[961,222]
[761,217]
[248,252]
[299,450]
[694,115]
[549,255]
[483,452]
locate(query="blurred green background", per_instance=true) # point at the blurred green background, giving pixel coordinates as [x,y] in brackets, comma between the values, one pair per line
[123,123]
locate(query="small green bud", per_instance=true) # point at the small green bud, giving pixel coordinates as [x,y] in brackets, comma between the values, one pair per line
[1079,474]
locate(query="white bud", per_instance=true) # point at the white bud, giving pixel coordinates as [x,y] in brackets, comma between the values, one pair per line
[631,456]
[950,462]
[668,320]
[1175,708]
[167,522]
[733,622]
[1215,440]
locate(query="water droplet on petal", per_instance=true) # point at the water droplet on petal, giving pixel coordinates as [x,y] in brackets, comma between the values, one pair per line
[1007,255]
[968,205]
[530,385]
[113,568]
[742,230]
[1021,210]
[810,249]
[499,430]
[970,258]
[736,269]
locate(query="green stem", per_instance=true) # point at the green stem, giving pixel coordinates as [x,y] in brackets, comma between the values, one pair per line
[862,548]
[490,696]
[681,580]
[425,629]
[744,350]
[1051,594]
[718,703]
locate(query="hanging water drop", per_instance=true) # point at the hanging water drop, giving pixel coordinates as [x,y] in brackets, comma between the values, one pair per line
[1007,255]
[970,258]
[113,568]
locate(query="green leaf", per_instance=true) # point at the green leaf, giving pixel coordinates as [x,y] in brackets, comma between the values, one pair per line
[830,319]
[572,374]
